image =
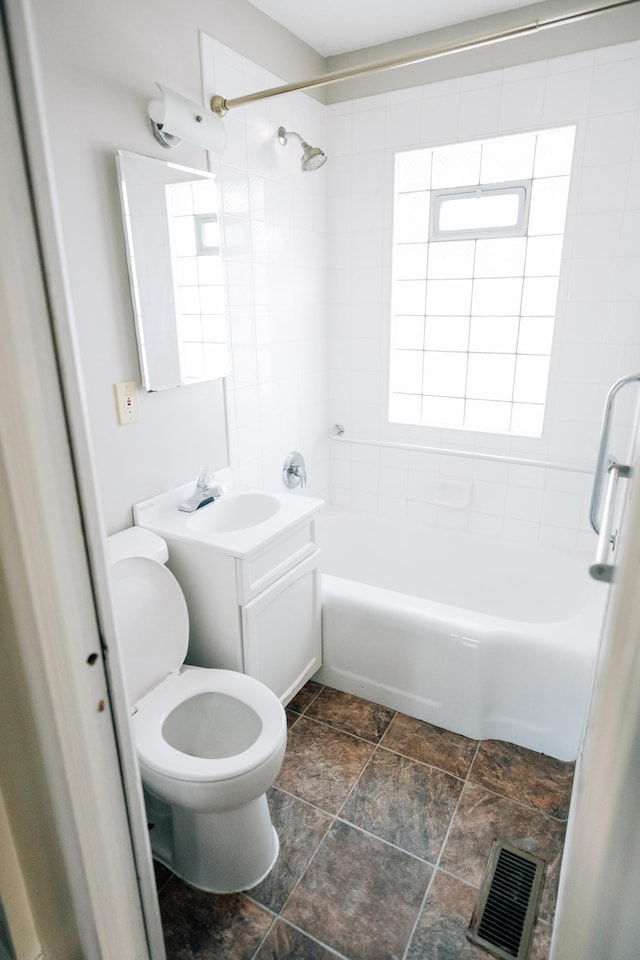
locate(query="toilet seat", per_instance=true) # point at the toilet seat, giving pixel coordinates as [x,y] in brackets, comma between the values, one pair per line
[155,753]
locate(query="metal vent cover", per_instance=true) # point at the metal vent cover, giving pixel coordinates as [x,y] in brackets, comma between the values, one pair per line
[503,919]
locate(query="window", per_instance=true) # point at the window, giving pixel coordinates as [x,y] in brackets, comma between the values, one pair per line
[478,230]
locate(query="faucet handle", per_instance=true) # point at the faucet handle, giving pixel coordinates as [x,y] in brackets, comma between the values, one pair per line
[294,471]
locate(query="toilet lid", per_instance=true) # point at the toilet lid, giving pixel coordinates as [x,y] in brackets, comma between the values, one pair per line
[151,620]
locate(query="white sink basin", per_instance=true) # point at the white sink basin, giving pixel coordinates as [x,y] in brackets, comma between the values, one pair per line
[233,512]
[240,522]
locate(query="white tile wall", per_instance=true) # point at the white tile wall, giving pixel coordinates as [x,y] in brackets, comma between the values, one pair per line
[276,253]
[597,336]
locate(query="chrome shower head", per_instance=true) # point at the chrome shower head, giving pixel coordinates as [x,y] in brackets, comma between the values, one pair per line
[312,157]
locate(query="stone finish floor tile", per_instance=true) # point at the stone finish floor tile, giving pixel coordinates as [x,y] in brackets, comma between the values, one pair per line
[343,891]
[422,741]
[300,829]
[483,817]
[321,764]
[359,895]
[441,932]
[351,714]
[410,804]
[520,774]
[284,942]
[305,696]
[208,926]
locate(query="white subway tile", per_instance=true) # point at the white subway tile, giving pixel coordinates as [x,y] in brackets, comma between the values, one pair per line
[421,512]
[520,531]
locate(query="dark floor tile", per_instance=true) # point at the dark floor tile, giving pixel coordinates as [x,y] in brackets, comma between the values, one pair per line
[483,817]
[305,696]
[162,874]
[359,895]
[300,829]
[208,926]
[444,921]
[405,802]
[351,714]
[286,943]
[520,774]
[429,744]
[291,717]
[321,765]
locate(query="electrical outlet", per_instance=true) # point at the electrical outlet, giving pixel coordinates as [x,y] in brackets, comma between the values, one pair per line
[127,401]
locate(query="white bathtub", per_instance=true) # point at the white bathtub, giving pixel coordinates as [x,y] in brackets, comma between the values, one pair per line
[484,638]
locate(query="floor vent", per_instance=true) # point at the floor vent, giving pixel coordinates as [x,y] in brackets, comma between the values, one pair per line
[503,919]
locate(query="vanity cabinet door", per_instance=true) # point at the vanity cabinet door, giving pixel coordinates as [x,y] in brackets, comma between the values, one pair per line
[281,630]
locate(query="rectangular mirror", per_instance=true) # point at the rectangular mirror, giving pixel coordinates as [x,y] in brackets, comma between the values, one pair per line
[172,233]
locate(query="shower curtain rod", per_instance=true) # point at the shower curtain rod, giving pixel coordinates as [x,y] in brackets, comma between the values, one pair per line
[221,106]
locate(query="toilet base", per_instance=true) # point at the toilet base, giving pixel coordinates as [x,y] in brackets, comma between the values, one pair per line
[221,852]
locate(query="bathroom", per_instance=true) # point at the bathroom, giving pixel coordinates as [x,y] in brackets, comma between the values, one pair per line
[307,316]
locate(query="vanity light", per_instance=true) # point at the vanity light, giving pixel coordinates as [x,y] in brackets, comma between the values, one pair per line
[173,118]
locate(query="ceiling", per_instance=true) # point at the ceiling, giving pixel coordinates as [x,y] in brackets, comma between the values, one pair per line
[338,26]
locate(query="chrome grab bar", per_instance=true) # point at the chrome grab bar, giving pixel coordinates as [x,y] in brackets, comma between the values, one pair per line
[601,463]
[600,569]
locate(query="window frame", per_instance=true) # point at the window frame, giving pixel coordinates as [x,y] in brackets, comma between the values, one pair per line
[439,196]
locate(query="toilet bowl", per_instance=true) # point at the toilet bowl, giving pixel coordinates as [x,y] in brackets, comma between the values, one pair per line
[209,742]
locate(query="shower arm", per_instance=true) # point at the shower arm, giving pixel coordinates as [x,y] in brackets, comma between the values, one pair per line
[221,105]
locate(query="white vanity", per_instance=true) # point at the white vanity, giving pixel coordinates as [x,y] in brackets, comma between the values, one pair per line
[248,566]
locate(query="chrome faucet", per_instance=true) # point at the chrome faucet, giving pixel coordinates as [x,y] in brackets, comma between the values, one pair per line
[294,471]
[203,493]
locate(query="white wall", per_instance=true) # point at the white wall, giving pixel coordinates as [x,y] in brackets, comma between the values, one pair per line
[597,334]
[99,66]
[275,225]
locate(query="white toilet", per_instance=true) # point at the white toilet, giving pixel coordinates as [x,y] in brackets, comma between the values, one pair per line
[209,742]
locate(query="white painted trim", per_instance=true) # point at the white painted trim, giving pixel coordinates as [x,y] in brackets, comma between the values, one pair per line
[597,914]
[102,883]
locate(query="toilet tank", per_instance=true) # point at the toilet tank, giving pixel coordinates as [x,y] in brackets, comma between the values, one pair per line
[137,542]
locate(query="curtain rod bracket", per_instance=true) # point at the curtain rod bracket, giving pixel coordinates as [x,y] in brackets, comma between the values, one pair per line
[219,105]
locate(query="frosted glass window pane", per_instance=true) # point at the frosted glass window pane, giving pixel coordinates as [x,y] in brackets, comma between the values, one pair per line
[413,170]
[452,258]
[494,334]
[448,297]
[527,419]
[497,297]
[412,218]
[210,270]
[179,199]
[548,210]
[543,256]
[406,371]
[444,374]
[187,271]
[500,258]
[183,236]
[487,416]
[507,158]
[479,213]
[456,166]
[554,152]
[409,296]
[214,329]
[447,333]
[531,379]
[536,335]
[539,296]
[205,196]
[191,329]
[408,333]
[187,300]
[405,408]
[211,300]
[410,262]
[490,376]
[442,412]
